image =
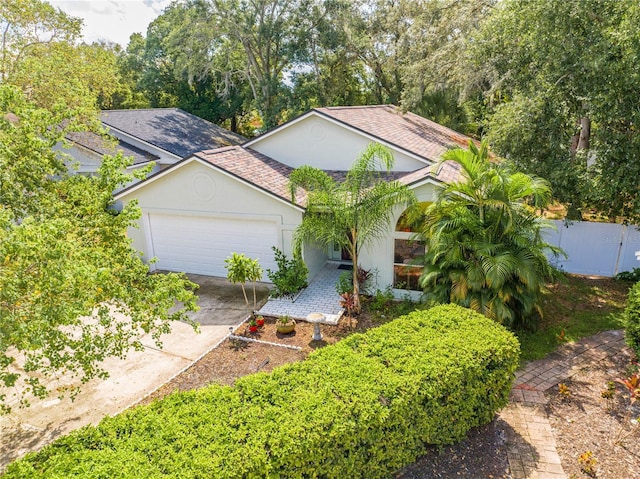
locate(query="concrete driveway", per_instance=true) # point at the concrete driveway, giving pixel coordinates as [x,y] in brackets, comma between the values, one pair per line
[221,305]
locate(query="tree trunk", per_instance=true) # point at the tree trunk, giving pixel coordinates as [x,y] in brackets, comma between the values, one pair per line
[581,140]
[585,134]
[356,286]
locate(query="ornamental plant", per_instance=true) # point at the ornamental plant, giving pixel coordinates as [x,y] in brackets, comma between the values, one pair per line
[241,269]
[632,319]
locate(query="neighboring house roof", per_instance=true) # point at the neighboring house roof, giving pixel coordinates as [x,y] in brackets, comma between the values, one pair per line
[170,129]
[407,131]
[101,146]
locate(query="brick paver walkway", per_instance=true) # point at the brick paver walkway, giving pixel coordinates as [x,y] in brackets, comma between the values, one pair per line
[531,446]
[319,297]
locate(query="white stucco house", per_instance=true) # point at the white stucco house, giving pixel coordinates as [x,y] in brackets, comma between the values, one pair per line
[234,199]
[163,136]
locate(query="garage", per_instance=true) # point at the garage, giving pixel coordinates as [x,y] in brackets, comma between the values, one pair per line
[200,244]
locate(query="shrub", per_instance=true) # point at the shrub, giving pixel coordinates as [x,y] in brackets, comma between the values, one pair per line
[632,319]
[361,408]
[345,283]
[633,275]
[290,277]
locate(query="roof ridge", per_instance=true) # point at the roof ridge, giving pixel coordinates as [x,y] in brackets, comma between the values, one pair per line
[148,109]
[355,107]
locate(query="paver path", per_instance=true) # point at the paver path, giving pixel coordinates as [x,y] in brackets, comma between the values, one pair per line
[531,446]
[319,297]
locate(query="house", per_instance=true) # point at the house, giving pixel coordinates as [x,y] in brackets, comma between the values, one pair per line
[235,198]
[160,135]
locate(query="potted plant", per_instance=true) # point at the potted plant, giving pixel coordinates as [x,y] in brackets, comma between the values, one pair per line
[285,324]
[260,321]
[253,326]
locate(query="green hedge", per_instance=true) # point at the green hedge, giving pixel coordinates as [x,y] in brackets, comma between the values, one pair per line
[632,319]
[363,407]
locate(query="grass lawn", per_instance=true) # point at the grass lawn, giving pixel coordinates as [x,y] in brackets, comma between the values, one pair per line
[575,307]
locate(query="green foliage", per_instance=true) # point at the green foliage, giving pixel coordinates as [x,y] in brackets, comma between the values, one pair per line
[241,269]
[485,248]
[632,319]
[579,306]
[361,408]
[559,81]
[72,290]
[353,213]
[632,276]
[291,275]
[345,282]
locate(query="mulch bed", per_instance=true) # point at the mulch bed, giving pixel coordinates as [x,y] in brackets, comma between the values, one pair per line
[595,427]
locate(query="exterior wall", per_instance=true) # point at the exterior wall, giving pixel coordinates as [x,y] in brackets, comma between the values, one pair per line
[197,190]
[379,256]
[315,258]
[321,143]
[83,161]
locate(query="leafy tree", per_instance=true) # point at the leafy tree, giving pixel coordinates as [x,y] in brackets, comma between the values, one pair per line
[353,213]
[28,25]
[241,269]
[72,290]
[485,244]
[273,36]
[561,79]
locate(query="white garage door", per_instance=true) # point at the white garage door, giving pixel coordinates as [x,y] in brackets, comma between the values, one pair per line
[200,245]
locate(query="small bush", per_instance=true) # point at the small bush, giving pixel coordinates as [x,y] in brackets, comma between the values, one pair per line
[632,319]
[633,275]
[290,277]
[362,408]
[345,283]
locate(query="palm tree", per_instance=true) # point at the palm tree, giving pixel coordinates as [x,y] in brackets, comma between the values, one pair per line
[351,213]
[485,244]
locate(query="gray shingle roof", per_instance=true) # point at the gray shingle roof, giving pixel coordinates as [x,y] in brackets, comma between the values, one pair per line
[98,144]
[171,129]
[407,131]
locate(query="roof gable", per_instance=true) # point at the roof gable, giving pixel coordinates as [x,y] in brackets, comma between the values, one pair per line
[243,164]
[171,129]
[387,124]
[407,131]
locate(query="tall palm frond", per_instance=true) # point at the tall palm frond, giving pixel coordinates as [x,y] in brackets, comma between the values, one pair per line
[485,246]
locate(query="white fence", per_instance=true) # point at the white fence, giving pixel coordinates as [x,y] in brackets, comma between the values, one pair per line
[602,249]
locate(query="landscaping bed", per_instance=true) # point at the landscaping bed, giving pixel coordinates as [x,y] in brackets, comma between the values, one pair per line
[597,428]
[483,454]
[483,450]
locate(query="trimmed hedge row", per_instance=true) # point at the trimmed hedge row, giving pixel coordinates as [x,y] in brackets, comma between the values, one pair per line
[361,408]
[632,319]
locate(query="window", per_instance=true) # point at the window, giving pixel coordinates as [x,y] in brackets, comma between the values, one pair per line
[406,272]
[407,251]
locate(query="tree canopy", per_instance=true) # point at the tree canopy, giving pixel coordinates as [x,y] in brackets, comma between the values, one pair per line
[72,290]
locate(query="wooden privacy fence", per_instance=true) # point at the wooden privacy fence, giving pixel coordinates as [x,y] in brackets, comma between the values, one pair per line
[603,249]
